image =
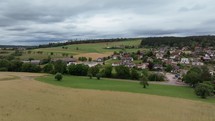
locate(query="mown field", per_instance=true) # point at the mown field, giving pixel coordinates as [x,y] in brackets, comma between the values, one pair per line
[24,99]
[125,86]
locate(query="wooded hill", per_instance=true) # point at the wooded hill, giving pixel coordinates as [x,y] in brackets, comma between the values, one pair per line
[191,41]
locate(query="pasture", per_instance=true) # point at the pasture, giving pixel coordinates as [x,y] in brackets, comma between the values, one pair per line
[24,99]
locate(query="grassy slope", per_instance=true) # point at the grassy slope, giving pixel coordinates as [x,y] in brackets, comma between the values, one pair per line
[125,86]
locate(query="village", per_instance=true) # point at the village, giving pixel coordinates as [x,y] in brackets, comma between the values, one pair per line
[161,60]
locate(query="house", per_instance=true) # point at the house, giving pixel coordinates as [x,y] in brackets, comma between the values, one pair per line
[196,63]
[142,66]
[149,59]
[206,57]
[130,65]
[116,64]
[176,69]
[212,73]
[187,52]
[139,57]
[115,57]
[99,60]
[158,67]
[159,55]
[91,64]
[127,59]
[70,63]
[36,62]
[185,61]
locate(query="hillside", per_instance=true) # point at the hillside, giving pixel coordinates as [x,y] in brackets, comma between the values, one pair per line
[102,49]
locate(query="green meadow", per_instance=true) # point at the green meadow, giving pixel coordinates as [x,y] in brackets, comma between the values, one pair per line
[124,86]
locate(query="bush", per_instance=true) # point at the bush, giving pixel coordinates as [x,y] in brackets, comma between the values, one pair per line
[98,76]
[3,69]
[78,70]
[134,74]
[204,90]
[90,75]
[28,67]
[4,64]
[156,77]
[58,76]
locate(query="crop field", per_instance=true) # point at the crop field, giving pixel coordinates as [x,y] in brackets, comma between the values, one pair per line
[24,99]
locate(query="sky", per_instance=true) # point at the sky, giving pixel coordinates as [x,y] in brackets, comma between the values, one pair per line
[33,22]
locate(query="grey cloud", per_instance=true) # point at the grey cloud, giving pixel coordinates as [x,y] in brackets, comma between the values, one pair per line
[39,21]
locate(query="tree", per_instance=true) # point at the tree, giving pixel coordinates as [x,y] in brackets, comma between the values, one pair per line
[108,71]
[151,65]
[89,59]
[197,75]
[58,76]
[205,75]
[4,64]
[204,90]
[144,81]
[145,72]
[169,68]
[15,66]
[94,70]
[30,59]
[59,67]
[122,72]
[134,74]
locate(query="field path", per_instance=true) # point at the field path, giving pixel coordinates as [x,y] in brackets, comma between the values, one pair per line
[24,99]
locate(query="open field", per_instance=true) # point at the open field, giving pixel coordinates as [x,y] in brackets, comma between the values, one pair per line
[125,86]
[24,99]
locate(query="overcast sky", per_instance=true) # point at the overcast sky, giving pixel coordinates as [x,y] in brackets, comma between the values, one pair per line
[31,22]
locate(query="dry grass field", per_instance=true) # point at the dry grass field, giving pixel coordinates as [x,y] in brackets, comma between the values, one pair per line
[24,99]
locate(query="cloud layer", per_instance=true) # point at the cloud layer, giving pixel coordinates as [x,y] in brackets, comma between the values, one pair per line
[33,22]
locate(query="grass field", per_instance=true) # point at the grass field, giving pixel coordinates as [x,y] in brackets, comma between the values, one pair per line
[23,99]
[125,86]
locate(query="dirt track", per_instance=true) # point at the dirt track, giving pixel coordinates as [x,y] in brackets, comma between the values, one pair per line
[23,99]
